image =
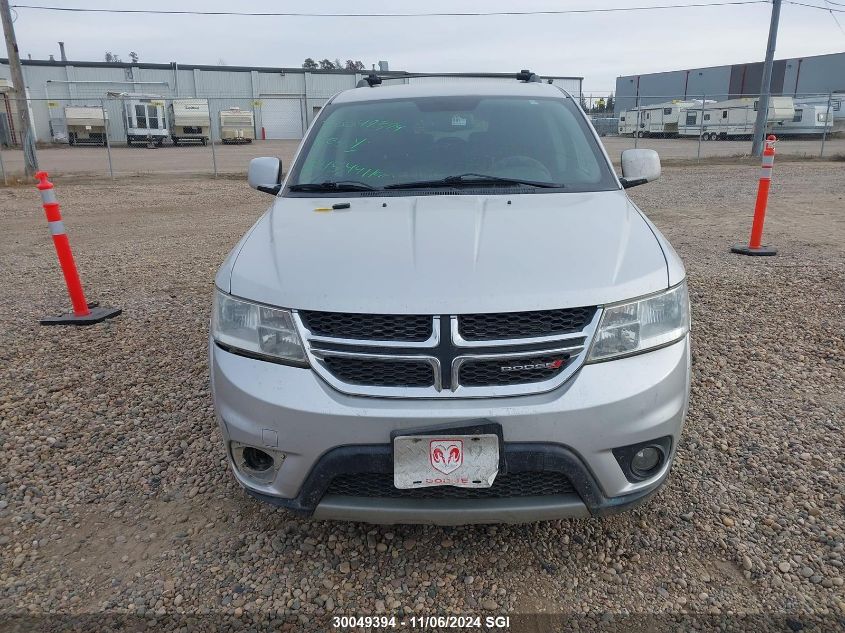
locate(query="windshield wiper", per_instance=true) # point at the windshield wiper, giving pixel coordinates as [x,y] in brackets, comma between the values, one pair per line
[333,185]
[471,180]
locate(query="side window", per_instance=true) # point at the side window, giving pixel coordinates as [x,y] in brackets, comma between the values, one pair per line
[622,118]
[755,105]
[724,114]
[140,115]
[706,117]
[836,105]
[667,110]
[692,117]
[648,115]
[799,114]
[152,116]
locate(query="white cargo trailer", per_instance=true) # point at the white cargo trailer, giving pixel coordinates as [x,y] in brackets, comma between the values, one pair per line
[732,119]
[655,119]
[809,120]
[237,126]
[85,125]
[189,121]
[144,116]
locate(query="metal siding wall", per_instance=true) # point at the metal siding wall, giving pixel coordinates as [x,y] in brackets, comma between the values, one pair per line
[327,85]
[186,83]
[712,82]
[276,83]
[225,83]
[820,74]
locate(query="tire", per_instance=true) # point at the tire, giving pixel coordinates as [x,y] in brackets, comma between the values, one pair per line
[71,139]
[160,142]
[175,141]
[204,141]
[640,134]
[128,142]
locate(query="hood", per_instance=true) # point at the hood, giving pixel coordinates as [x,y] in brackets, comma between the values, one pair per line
[450,254]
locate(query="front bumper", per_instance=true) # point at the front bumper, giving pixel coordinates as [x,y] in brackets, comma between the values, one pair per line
[572,429]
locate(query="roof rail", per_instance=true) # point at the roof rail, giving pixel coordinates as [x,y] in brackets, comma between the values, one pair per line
[528,77]
[370,80]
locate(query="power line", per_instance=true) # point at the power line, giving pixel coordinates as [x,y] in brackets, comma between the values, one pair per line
[814,6]
[833,15]
[290,14]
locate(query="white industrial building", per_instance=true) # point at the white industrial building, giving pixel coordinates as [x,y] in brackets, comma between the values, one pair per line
[283,100]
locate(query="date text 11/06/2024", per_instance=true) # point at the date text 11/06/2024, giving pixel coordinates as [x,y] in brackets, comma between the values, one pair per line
[467,622]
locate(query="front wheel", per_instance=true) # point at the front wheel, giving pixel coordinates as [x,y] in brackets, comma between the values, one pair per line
[175,141]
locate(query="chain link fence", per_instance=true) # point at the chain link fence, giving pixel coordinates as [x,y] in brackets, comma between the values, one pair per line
[119,134]
[720,126]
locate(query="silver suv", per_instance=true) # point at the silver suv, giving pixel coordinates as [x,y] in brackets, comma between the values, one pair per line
[451,313]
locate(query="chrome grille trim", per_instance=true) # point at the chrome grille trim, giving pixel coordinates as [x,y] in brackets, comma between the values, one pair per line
[571,352]
[574,345]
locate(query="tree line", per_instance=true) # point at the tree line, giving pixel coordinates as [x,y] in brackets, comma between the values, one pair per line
[327,64]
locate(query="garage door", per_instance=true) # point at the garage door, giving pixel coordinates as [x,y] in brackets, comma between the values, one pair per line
[281,118]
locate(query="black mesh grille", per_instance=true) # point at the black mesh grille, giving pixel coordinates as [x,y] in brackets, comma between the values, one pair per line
[511,371]
[506,325]
[525,484]
[383,327]
[381,373]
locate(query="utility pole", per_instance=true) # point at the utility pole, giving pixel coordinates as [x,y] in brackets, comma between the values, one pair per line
[766,84]
[27,142]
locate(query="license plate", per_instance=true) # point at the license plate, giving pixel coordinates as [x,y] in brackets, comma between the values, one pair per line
[465,461]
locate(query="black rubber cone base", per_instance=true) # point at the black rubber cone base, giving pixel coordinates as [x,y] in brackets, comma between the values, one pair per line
[95,315]
[763,251]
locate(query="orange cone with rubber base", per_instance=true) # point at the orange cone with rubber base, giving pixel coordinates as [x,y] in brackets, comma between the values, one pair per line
[84,313]
[754,244]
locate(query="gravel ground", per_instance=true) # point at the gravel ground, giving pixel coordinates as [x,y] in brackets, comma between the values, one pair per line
[115,496]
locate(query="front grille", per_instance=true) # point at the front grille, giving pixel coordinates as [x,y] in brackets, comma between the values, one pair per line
[510,325]
[382,373]
[441,356]
[506,485]
[511,371]
[377,327]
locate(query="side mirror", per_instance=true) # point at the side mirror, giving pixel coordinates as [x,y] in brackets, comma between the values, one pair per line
[639,166]
[265,174]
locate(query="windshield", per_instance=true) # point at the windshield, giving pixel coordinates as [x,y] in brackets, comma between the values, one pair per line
[452,142]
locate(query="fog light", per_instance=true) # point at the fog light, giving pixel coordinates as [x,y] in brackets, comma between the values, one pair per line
[257,460]
[646,460]
[258,464]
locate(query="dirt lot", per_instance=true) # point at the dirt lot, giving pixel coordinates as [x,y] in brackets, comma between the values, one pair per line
[194,159]
[115,499]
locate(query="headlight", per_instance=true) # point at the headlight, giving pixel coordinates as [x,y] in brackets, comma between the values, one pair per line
[256,329]
[643,324]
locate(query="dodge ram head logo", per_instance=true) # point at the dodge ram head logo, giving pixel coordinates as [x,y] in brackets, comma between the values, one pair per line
[446,455]
[554,364]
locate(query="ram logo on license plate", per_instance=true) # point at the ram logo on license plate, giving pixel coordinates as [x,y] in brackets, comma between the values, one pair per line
[446,455]
[465,461]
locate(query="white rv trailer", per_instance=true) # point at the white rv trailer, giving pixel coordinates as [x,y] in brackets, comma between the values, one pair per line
[835,108]
[189,121]
[809,120]
[732,119]
[654,119]
[144,116]
[237,126]
[86,125]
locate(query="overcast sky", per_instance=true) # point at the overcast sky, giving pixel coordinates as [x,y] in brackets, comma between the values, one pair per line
[598,47]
